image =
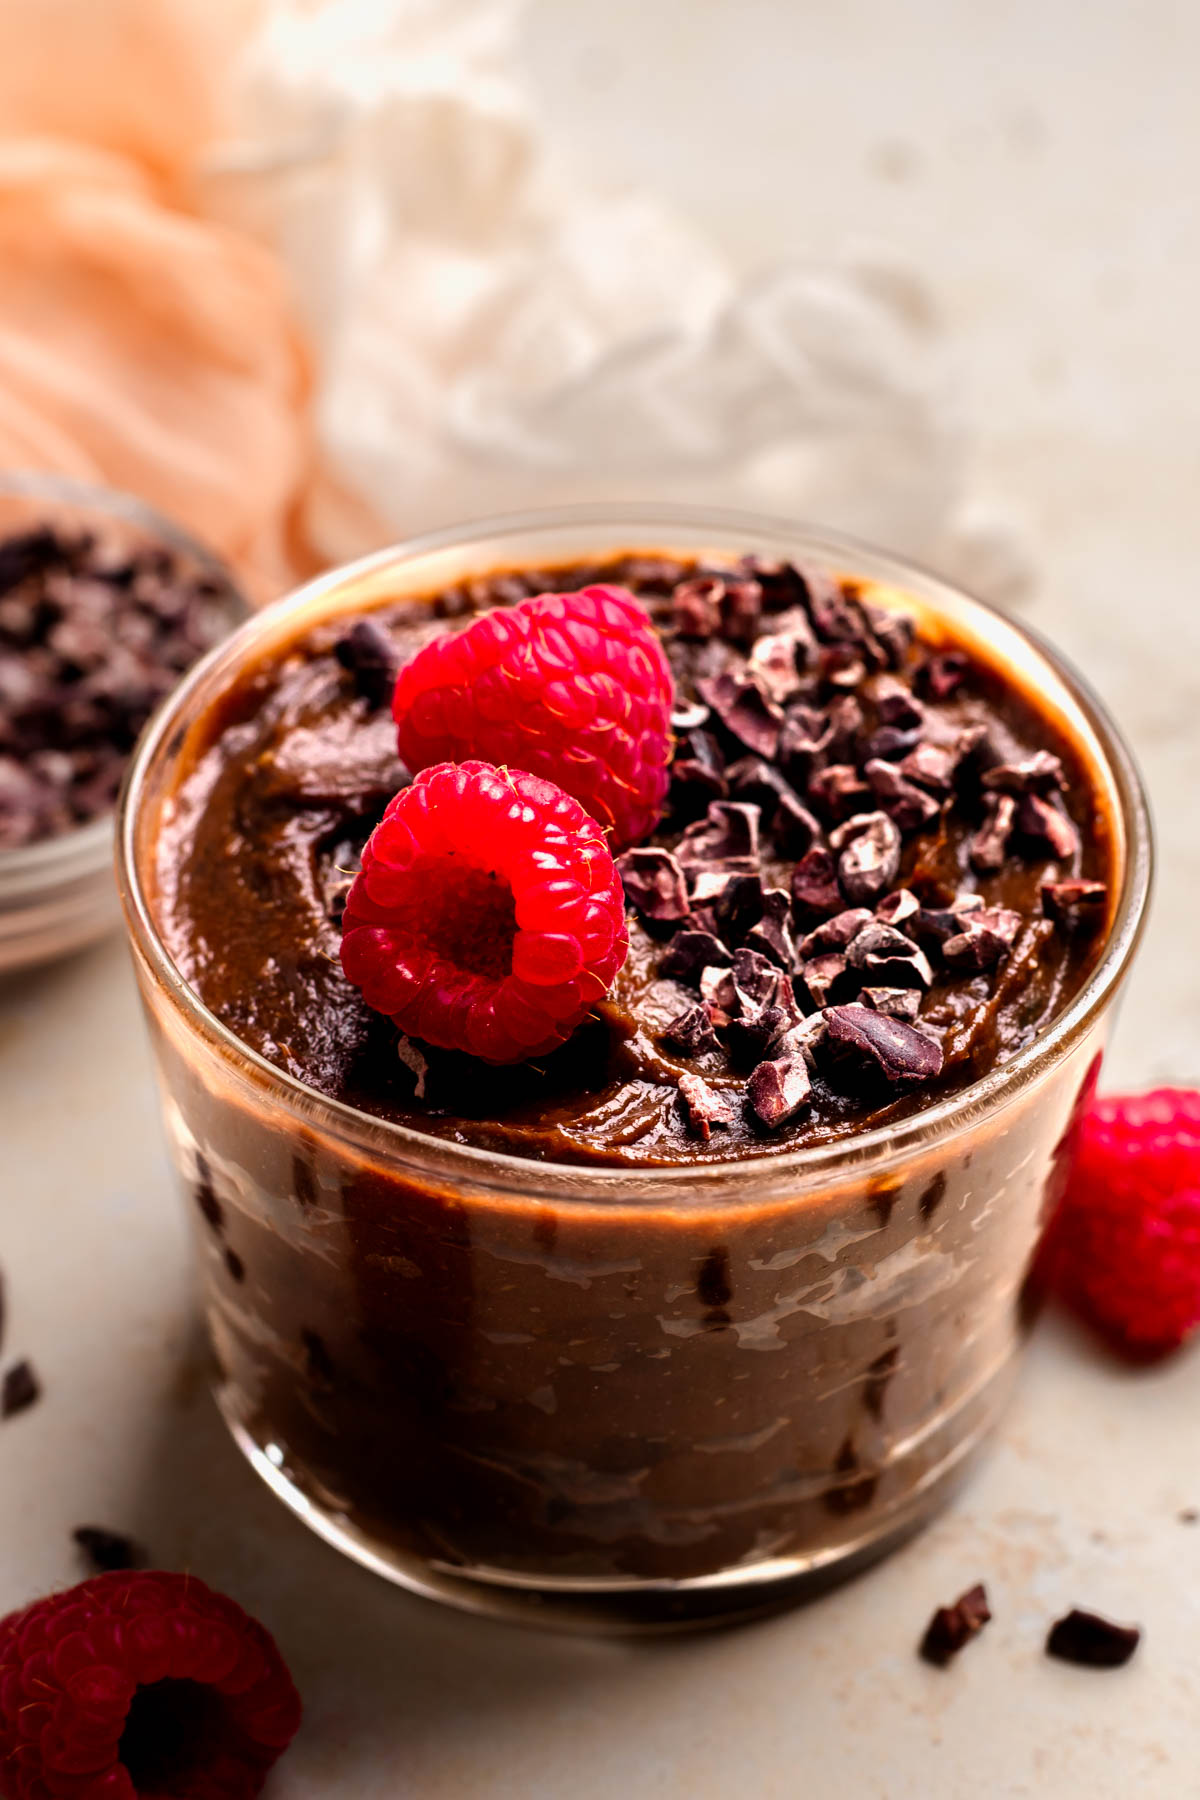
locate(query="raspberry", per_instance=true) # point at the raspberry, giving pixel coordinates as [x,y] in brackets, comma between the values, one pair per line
[133,1686]
[573,687]
[489,915]
[1124,1247]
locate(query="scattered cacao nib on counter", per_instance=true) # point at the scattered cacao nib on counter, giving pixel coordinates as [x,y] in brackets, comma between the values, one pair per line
[1091,1641]
[107,1551]
[952,1627]
[19,1390]
[881,869]
[90,641]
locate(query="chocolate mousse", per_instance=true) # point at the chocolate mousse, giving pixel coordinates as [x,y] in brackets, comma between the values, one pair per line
[881,871]
[654,1347]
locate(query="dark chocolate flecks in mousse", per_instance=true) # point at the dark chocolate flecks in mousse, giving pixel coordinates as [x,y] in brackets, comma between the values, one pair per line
[881,871]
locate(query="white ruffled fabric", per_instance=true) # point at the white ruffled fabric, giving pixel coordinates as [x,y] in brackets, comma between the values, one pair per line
[491,334]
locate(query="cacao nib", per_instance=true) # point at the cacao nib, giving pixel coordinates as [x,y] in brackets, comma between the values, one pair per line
[845,728]
[814,882]
[951,1627]
[727,835]
[761,784]
[940,676]
[897,1003]
[911,808]
[869,856]
[744,709]
[837,790]
[836,933]
[691,951]
[887,958]
[894,632]
[691,1032]
[1042,820]
[794,829]
[772,935]
[108,1551]
[889,744]
[821,975]
[1092,1641]
[930,765]
[1075,904]
[777,1090]
[859,1043]
[1040,773]
[805,736]
[779,658]
[741,609]
[896,704]
[654,884]
[737,907]
[372,660]
[696,607]
[750,1039]
[898,908]
[989,846]
[703,1107]
[756,977]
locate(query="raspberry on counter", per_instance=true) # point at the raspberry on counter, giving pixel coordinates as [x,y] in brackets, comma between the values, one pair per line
[138,1685]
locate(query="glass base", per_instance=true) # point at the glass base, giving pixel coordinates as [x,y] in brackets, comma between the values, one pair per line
[602,1607]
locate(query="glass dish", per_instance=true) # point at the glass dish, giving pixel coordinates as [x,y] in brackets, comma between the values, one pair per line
[606,1398]
[58,894]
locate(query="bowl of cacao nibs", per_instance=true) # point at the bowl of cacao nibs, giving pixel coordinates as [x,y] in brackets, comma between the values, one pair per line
[103,606]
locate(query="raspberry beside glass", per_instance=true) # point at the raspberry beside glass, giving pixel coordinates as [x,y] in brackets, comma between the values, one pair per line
[503,1340]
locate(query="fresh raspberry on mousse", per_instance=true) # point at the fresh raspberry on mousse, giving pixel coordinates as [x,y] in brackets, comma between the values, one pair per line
[1124,1248]
[573,687]
[140,1687]
[488,916]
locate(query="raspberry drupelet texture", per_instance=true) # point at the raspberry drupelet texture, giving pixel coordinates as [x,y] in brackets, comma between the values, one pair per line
[1124,1248]
[140,1687]
[573,687]
[489,916]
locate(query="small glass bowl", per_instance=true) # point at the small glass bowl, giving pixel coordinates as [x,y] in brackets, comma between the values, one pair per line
[58,894]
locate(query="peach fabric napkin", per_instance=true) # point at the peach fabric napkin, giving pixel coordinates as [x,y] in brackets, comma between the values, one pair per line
[141,345]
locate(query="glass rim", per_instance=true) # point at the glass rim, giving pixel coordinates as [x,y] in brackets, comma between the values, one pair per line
[871,1152]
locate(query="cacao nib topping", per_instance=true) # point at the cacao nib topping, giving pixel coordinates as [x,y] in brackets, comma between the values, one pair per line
[718,990]
[899,908]
[845,730]
[897,1003]
[838,790]
[778,659]
[931,766]
[908,805]
[860,1043]
[890,744]
[869,856]
[823,974]
[691,1032]
[805,736]
[1074,903]
[951,1627]
[737,907]
[19,1390]
[941,676]
[794,829]
[1040,773]
[371,658]
[894,632]
[986,937]
[750,1038]
[989,846]
[772,935]
[778,1089]
[761,784]
[814,882]
[727,835]
[744,709]
[1042,820]
[654,884]
[895,703]
[1092,1641]
[689,952]
[696,607]
[887,958]
[703,1106]
[757,979]
[836,933]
